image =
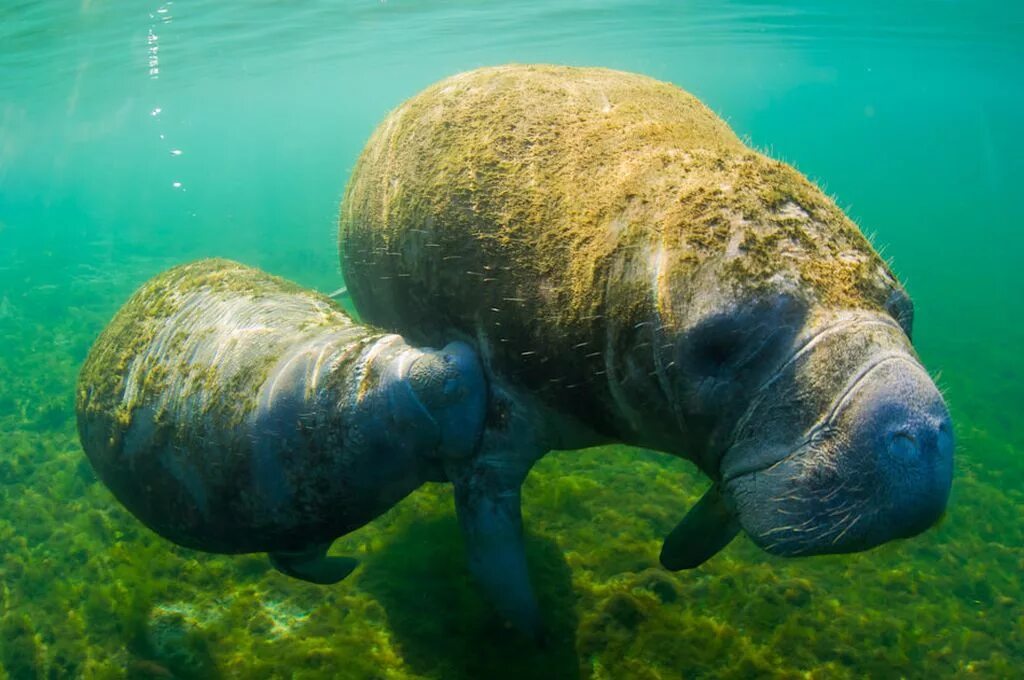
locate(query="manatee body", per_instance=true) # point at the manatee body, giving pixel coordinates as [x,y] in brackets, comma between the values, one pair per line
[232,411]
[631,272]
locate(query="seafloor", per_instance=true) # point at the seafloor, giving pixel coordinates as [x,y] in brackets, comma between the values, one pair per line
[87,591]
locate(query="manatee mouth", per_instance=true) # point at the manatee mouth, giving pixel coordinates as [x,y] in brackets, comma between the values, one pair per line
[876,466]
[715,520]
[750,455]
[809,472]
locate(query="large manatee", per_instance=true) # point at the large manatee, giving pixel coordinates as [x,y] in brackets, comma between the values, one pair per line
[630,271]
[232,411]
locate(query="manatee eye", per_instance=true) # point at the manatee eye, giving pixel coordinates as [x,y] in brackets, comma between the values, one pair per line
[715,352]
[717,348]
[743,341]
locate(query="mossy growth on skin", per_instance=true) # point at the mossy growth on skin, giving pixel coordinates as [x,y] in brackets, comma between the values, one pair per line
[577,224]
[122,367]
[570,196]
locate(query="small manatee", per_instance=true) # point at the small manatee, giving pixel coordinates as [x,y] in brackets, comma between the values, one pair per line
[233,412]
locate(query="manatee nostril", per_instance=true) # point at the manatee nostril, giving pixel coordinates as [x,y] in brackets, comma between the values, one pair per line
[945,438]
[902,444]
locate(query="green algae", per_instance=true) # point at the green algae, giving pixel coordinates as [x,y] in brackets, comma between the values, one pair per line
[22,653]
[546,209]
[99,590]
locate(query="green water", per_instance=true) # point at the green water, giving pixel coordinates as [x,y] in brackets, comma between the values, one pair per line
[138,135]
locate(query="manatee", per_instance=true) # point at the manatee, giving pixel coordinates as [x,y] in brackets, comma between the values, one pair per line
[234,412]
[629,271]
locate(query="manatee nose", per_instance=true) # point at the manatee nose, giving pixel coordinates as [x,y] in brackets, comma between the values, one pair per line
[905,432]
[918,459]
[921,441]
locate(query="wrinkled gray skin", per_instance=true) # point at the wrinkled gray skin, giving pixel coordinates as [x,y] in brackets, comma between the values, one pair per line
[260,418]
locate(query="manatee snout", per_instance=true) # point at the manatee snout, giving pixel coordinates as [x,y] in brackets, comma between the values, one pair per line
[448,384]
[901,428]
[875,466]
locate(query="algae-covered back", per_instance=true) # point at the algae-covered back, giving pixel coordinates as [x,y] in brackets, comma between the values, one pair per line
[547,211]
[214,404]
[204,332]
[144,353]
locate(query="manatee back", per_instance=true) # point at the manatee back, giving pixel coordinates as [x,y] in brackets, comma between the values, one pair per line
[557,215]
[210,407]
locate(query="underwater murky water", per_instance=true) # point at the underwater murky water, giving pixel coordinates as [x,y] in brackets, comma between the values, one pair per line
[138,135]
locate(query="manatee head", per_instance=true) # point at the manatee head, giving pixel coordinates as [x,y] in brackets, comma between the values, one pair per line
[417,407]
[847,445]
[830,435]
[449,385]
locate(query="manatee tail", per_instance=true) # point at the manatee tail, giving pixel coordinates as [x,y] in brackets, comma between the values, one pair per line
[313,565]
[706,529]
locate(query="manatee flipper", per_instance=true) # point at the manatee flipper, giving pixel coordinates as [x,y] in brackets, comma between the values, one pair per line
[708,527]
[313,565]
[492,526]
[487,502]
